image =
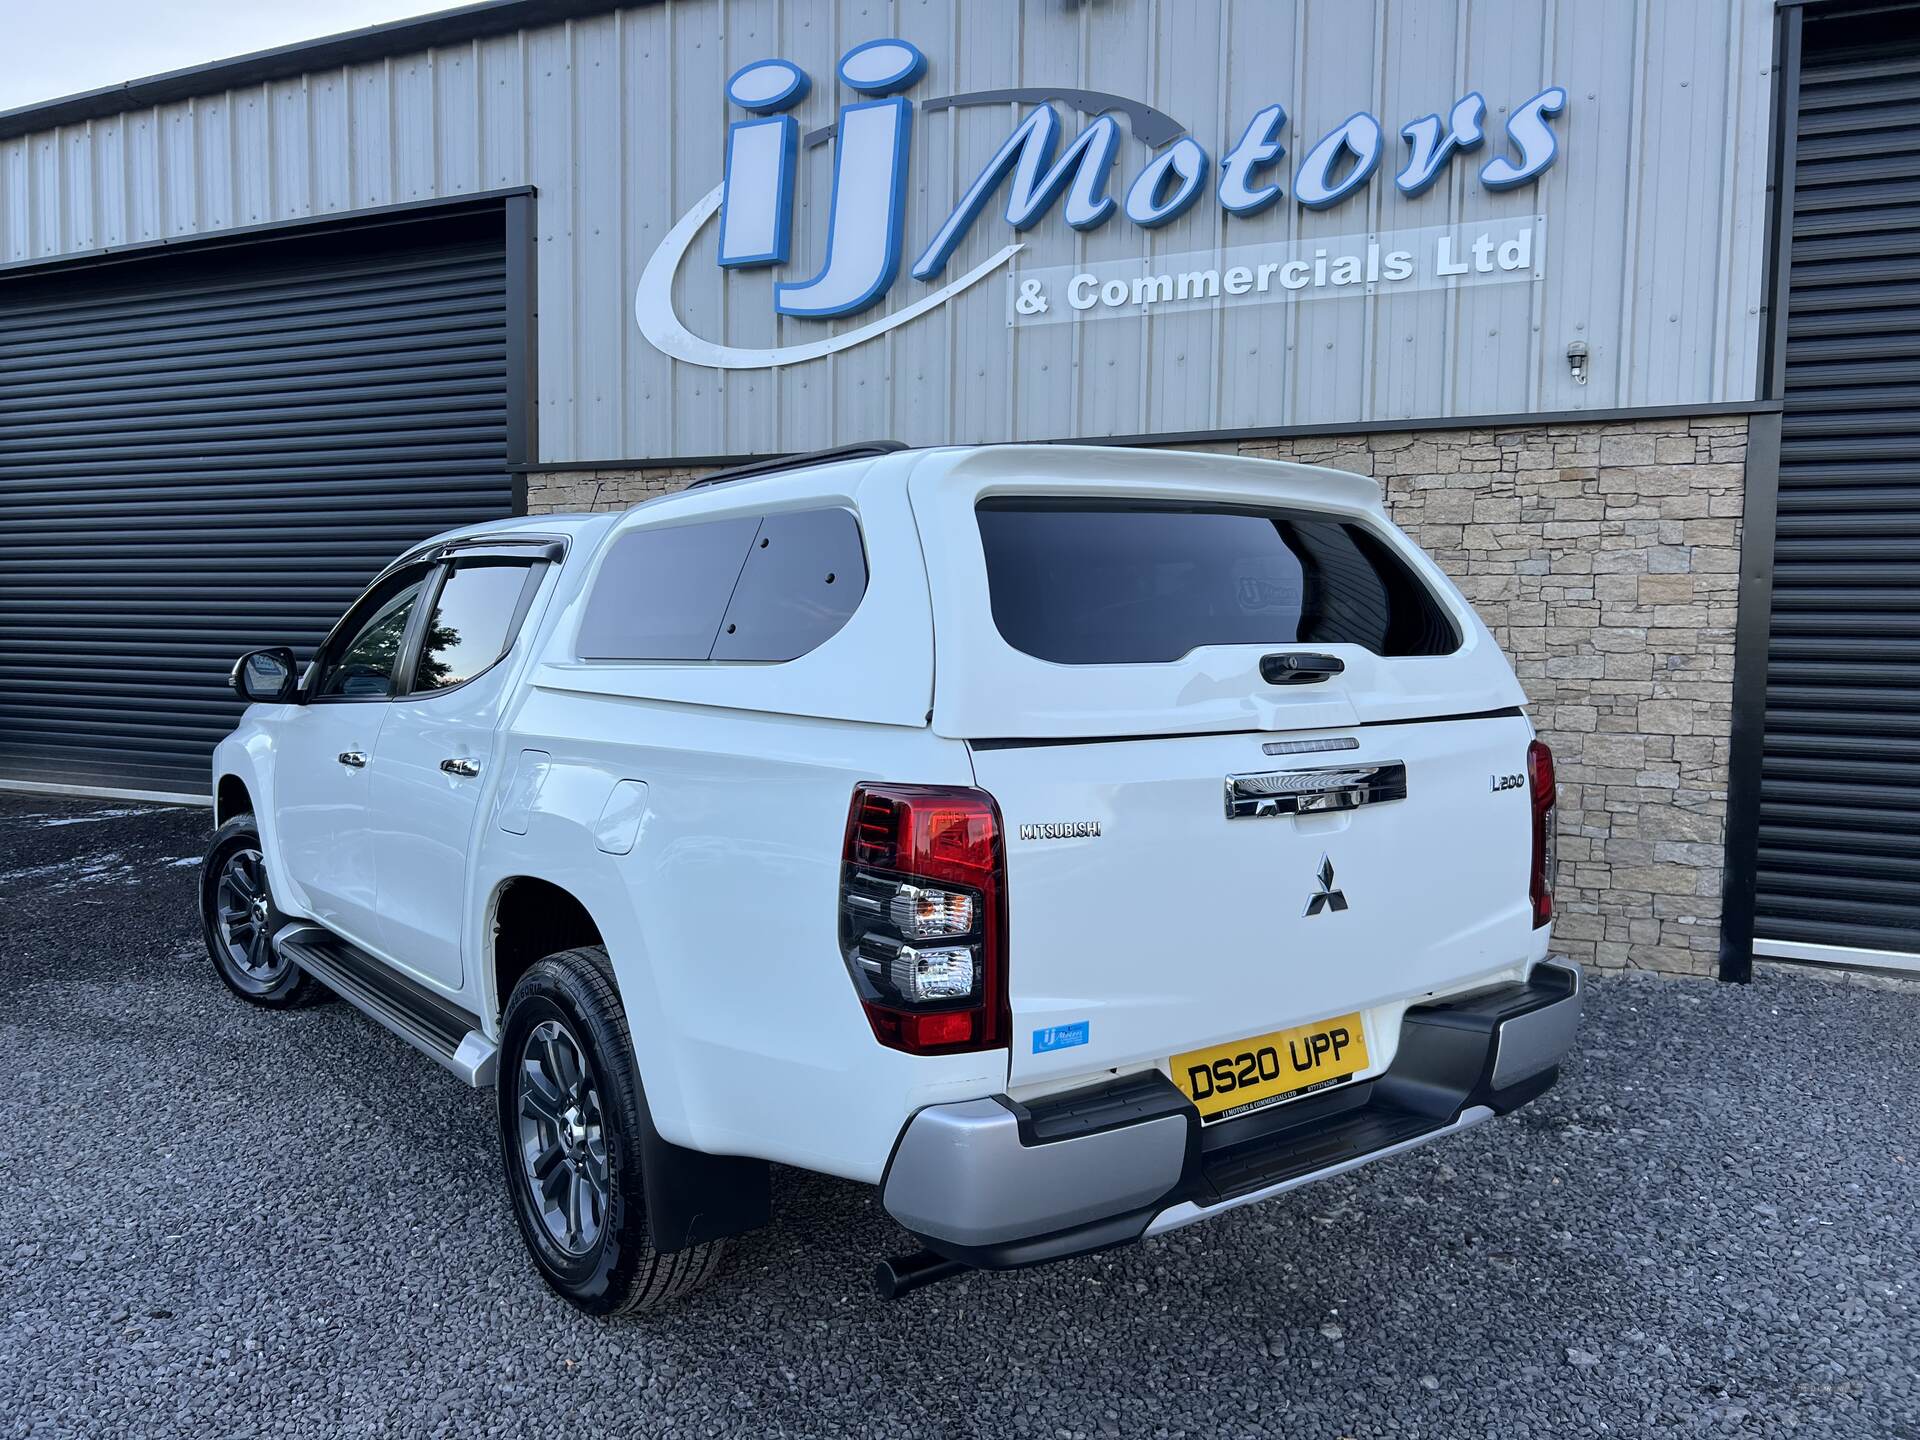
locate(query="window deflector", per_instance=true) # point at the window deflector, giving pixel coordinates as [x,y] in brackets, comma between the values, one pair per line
[430,601]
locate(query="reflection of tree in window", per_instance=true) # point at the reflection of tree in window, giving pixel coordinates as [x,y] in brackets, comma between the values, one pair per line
[435,673]
[365,667]
[470,625]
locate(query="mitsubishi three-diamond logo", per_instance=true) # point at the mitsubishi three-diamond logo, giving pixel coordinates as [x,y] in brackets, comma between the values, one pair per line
[1326,897]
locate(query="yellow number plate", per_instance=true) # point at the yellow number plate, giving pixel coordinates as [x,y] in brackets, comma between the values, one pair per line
[1233,1079]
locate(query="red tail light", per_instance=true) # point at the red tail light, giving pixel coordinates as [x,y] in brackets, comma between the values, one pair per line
[1540,790]
[923,917]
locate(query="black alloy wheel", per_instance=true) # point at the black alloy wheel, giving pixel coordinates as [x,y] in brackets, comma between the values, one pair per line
[238,917]
[572,1120]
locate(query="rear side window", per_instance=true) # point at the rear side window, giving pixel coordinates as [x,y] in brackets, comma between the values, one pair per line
[1111,582]
[804,575]
[769,588]
[472,623]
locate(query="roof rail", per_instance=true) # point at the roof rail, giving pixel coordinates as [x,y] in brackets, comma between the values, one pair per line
[798,460]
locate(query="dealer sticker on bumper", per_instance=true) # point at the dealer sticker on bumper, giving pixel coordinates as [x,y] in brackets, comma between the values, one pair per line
[1060,1037]
[1229,1080]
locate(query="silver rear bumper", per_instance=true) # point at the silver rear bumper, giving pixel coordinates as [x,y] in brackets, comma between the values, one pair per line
[996,1183]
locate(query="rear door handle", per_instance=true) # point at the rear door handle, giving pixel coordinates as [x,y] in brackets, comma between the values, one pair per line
[355,758]
[1299,669]
[1314,792]
[459,765]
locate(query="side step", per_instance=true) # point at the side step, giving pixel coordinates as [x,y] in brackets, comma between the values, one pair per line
[430,1024]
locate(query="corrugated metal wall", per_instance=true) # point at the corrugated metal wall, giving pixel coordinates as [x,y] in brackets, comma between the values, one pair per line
[204,454]
[1654,210]
[1839,843]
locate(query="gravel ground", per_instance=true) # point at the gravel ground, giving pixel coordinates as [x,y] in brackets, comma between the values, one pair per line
[219,1221]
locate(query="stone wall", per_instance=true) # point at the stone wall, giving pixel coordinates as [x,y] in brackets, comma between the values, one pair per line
[1605,558]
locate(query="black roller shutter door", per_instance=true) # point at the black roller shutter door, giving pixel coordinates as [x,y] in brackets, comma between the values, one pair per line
[1839,842]
[204,453]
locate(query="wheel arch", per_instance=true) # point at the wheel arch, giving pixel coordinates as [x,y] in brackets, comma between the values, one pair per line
[692,1197]
[528,918]
[231,797]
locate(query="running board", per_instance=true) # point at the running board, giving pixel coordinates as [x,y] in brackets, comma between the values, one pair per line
[433,1026]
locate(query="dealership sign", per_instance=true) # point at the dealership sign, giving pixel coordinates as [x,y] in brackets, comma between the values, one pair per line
[1436,258]
[866,240]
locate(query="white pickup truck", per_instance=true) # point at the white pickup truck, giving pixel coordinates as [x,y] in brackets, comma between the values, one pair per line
[1074,843]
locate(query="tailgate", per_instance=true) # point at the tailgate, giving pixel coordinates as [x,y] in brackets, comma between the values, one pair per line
[1177,926]
[1118,634]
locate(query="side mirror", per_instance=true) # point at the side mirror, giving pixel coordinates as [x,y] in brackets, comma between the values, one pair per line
[264,676]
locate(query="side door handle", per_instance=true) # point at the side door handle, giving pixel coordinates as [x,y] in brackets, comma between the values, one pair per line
[459,765]
[355,758]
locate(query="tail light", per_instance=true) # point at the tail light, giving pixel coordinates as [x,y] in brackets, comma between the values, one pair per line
[1540,791]
[923,916]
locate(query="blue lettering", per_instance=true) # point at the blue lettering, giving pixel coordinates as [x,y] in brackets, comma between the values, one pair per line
[1259,147]
[756,217]
[1027,153]
[1528,129]
[866,219]
[1358,136]
[1185,164]
[868,215]
[1432,145]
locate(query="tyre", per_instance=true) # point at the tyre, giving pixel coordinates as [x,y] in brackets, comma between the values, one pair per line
[238,917]
[572,1118]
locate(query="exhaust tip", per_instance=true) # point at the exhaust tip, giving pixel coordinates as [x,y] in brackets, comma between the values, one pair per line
[900,1275]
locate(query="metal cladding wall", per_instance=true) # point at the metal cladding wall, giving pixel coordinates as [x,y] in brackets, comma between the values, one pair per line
[202,454]
[1839,842]
[1654,210]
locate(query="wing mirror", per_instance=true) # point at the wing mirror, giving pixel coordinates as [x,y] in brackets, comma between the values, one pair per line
[264,676]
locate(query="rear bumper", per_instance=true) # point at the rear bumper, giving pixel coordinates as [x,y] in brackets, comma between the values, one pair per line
[997,1184]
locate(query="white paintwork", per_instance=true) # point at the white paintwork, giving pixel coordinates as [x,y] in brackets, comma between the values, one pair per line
[1174,929]
[621,818]
[424,819]
[322,820]
[987,688]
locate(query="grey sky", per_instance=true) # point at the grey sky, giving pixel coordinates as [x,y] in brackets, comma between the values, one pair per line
[53,49]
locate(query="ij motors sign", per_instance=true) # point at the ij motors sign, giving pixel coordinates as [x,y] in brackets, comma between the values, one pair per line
[867,244]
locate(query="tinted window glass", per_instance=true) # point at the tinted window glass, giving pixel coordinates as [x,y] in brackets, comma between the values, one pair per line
[1111,582]
[804,576]
[471,624]
[363,667]
[662,591]
[740,589]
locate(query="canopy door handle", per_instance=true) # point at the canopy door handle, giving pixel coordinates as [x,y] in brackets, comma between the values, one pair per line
[1296,668]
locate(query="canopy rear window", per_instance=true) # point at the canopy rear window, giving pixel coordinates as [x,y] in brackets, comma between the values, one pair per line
[1115,582]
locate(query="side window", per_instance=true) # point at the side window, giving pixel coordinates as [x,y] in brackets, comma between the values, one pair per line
[362,668]
[472,623]
[770,588]
[661,592]
[803,578]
